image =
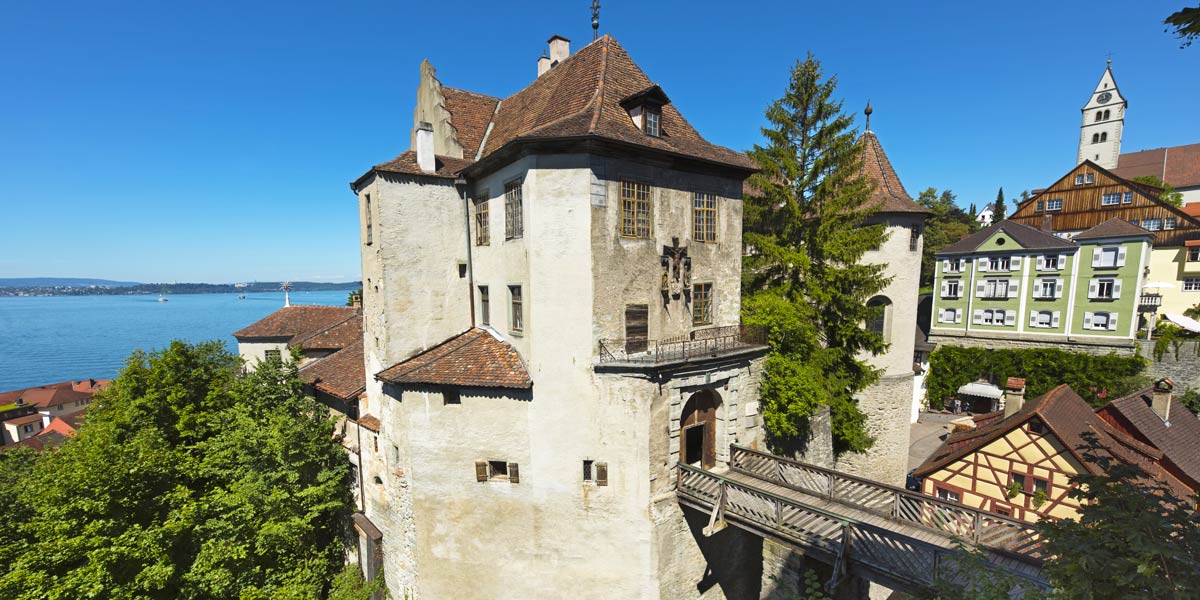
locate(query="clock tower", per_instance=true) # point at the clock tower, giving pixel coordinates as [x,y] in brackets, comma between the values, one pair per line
[1103,122]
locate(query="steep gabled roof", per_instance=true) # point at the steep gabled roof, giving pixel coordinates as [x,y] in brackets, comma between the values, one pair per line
[1178,166]
[1179,442]
[1114,228]
[1069,418]
[474,358]
[470,114]
[889,195]
[1027,237]
[291,321]
[445,167]
[334,337]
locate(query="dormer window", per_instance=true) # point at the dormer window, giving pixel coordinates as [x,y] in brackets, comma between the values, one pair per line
[645,109]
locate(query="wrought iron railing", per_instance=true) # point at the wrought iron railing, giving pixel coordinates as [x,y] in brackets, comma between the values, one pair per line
[699,344]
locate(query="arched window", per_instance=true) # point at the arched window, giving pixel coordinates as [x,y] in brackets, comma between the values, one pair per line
[1095,138]
[1099,115]
[1105,115]
[1104,136]
[879,324]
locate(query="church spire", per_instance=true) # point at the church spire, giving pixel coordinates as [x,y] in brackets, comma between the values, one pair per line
[1103,122]
[868,112]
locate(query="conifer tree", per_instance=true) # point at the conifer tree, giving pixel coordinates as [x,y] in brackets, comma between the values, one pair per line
[999,211]
[807,227]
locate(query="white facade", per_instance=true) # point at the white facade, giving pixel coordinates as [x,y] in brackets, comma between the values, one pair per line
[984,218]
[1103,123]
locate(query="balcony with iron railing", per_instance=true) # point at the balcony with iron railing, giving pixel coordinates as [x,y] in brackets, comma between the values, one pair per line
[698,345]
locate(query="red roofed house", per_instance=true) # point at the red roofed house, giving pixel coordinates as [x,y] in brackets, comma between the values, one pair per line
[48,402]
[1018,462]
[551,321]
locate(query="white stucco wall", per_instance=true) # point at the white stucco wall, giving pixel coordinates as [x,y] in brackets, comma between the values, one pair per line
[254,352]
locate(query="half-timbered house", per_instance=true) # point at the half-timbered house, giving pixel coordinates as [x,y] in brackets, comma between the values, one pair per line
[1019,462]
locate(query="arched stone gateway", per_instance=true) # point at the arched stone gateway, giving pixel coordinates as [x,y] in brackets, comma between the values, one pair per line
[698,429]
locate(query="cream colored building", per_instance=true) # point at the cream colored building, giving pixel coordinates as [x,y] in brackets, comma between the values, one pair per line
[551,305]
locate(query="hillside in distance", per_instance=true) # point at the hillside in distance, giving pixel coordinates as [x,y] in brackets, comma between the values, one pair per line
[7,282]
[60,289]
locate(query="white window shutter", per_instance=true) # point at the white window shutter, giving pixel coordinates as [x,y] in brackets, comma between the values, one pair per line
[1121,257]
[945,285]
[1054,319]
[1014,288]
[978,317]
[1062,261]
[941,315]
[1092,285]
[983,264]
[1116,289]
[1010,318]
[1096,252]
[1087,320]
[945,265]
[1058,288]
[1033,318]
[980,288]
[1037,289]
[962,264]
[958,315]
[1041,263]
[1112,321]
[1015,263]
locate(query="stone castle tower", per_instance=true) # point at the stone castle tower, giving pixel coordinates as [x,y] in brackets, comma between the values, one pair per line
[888,403]
[1103,123]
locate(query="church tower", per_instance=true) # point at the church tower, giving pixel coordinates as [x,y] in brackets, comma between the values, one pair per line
[1103,122]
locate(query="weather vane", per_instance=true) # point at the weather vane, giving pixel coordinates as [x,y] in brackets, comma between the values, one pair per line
[595,19]
[1109,55]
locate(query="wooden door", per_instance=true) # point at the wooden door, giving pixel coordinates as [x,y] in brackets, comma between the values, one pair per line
[698,430]
[637,327]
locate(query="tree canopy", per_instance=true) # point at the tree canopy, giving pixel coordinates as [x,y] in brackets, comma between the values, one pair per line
[1185,23]
[1169,194]
[946,224]
[187,479]
[807,228]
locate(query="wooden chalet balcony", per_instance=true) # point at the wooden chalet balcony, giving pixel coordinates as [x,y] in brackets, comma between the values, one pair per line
[702,344]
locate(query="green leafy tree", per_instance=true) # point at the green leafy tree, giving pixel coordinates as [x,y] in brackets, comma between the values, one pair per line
[999,210]
[1169,194]
[1186,25]
[808,225]
[188,480]
[1133,539]
[946,224]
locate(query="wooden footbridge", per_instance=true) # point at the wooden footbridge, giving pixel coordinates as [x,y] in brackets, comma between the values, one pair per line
[897,538]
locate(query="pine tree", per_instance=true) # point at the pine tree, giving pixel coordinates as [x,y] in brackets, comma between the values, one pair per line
[999,211]
[808,226]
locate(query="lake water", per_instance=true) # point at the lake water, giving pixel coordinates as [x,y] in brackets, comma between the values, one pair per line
[47,339]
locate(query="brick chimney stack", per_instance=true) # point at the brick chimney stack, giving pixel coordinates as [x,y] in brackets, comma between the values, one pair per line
[1160,403]
[1014,396]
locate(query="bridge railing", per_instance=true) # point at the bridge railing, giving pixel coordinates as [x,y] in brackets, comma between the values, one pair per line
[898,559]
[977,527]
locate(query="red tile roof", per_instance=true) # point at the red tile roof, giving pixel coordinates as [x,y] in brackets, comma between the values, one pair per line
[370,422]
[292,321]
[889,195]
[63,426]
[446,167]
[470,114]
[1192,210]
[341,374]
[25,420]
[474,358]
[1114,227]
[1178,166]
[335,337]
[87,386]
[1179,442]
[48,397]
[1067,416]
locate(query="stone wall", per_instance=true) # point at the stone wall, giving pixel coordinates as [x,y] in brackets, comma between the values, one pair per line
[1184,371]
[1118,347]
[887,405]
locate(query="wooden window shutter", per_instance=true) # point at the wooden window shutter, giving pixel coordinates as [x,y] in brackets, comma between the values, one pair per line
[637,319]
[601,473]
[514,473]
[481,470]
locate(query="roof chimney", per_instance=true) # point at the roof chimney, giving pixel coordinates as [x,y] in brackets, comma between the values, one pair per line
[1048,223]
[425,147]
[543,65]
[1161,402]
[560,49]
[1014,396]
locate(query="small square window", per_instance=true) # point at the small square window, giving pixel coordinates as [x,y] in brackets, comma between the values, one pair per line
[1040,485]
[1079,179]
[1019,479]
[451,396]
[497,469]
[587,470]
[1090,178]
[653,120]
[1041,205]
[272,355]
[1037,427]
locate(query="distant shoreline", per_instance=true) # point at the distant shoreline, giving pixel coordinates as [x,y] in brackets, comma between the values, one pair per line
[147,289]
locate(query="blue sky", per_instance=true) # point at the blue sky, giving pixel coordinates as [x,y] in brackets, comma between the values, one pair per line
[214,141]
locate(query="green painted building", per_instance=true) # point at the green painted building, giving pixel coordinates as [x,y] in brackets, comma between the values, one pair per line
[1013,282]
